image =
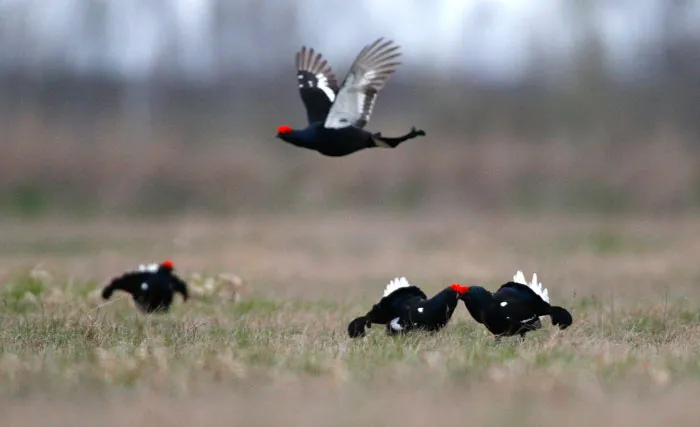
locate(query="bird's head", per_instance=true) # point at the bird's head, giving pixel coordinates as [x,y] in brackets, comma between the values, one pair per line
[357,327]
[167,266]
[284,132]
[474,293]
[461,290]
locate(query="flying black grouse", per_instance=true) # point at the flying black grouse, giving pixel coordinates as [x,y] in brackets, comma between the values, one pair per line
[405,307]
[515,308]
[337,116]
[152,286]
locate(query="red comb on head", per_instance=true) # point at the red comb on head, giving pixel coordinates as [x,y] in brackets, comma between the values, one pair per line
[284,129]
[459,288]
[168,264]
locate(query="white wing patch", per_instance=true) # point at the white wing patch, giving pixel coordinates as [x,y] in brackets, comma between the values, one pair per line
[503,304]
[536,286]
[325,86]
[395,325]
[529,320]
[144,286]
[152,268]
[420,309]
[395,284]
[310,63]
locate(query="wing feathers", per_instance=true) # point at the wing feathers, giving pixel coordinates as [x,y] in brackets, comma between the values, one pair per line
[375,58]
[315,64]
[318,84]
[368,74]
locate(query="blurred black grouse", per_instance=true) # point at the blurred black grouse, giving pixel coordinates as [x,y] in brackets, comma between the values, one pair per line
[152,286]
[405,307]
[515,308]
[337,116]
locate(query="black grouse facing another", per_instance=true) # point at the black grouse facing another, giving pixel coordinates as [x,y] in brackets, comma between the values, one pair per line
[337,115]
[405,307]
[152,287]
[515,308]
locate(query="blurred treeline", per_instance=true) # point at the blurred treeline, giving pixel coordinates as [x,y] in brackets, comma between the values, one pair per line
[574,141]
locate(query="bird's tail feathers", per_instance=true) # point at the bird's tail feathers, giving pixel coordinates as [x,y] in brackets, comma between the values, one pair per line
[395,284]
[535,285]
[151,267]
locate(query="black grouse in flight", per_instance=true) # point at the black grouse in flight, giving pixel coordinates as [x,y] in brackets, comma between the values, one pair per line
[337,115]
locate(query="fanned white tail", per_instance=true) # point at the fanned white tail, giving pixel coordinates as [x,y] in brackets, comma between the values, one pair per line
[396,283]
[153,267]
[536,286]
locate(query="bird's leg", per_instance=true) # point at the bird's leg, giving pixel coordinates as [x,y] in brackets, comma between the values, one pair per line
[522,337]
[381,141]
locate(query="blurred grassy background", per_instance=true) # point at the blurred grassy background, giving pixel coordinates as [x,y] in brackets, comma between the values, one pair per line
[519,150]
[578,140]
[587,177]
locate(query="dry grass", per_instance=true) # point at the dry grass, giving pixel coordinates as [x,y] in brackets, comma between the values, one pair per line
[279,353]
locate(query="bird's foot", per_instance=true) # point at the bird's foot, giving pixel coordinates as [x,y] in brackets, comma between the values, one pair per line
[388,142]
[416,132]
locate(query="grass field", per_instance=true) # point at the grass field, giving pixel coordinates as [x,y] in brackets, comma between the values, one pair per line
[271,348]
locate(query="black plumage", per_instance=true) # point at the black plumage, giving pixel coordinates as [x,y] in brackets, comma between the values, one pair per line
[514,309]
[405,307]
[336,114]
[152,287]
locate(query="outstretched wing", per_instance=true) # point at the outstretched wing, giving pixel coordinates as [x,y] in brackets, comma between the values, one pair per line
[180,286]
[367,76]
[129,282]
[317,84]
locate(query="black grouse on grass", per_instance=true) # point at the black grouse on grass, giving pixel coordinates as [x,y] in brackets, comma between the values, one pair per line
[405,307]
[152,286]
[515,308]
[337,115]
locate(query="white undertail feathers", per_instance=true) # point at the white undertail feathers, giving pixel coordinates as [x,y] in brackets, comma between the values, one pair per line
[152,268]
[536,286]
[396,283]
[395,325]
